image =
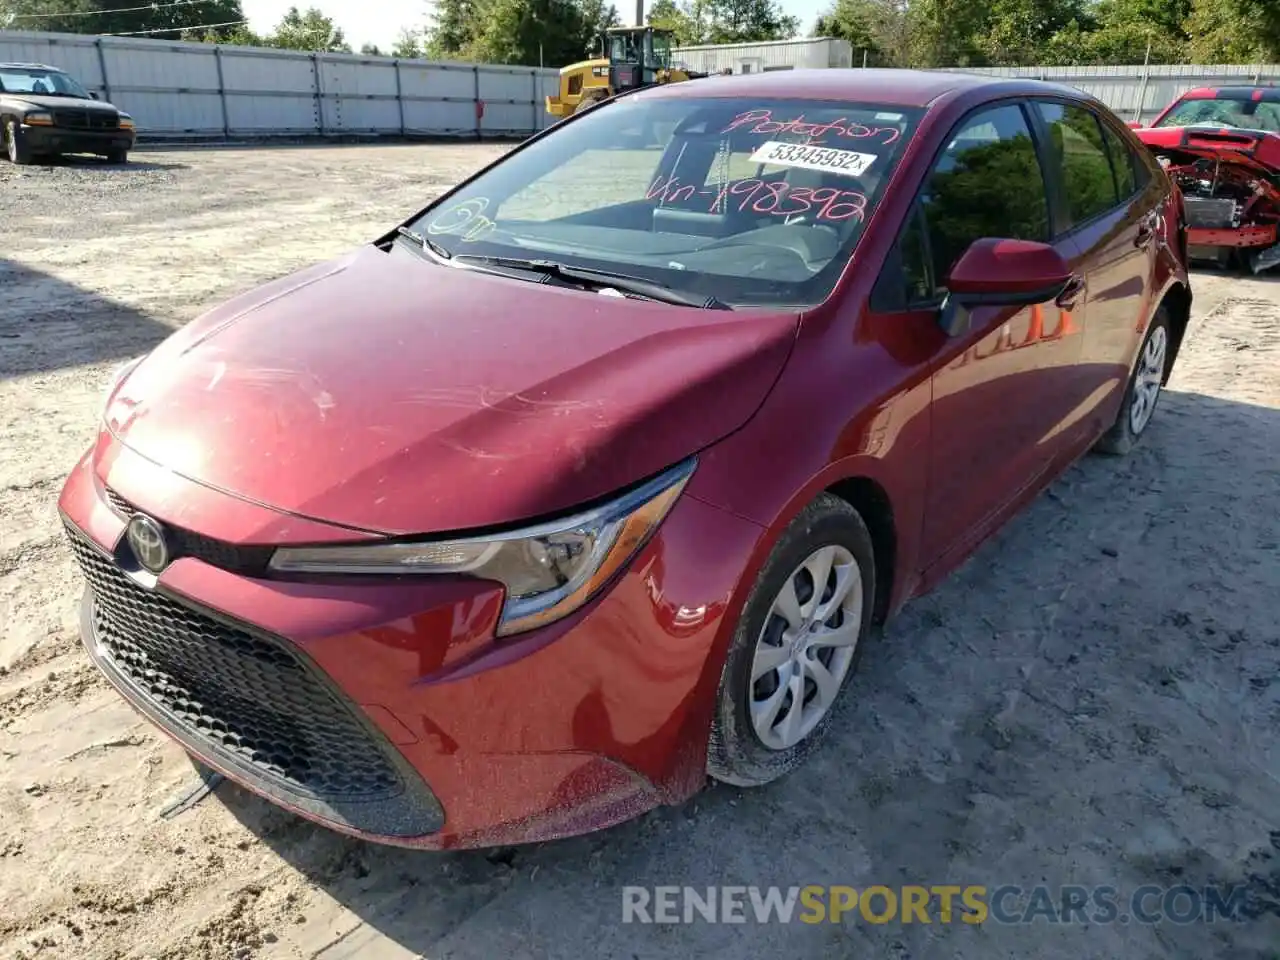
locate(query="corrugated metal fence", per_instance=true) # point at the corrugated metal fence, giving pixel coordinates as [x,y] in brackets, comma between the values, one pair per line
[1139,93]
[201,90]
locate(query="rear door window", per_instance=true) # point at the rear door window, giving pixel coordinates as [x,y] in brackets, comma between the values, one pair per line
[1123,162]
[1080,157]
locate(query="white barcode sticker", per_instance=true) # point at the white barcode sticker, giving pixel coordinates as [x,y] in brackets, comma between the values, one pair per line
[827,159]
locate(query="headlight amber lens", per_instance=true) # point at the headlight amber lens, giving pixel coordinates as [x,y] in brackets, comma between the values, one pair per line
[38,119]
[548,571]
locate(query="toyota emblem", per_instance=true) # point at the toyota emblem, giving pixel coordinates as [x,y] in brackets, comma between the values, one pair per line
[146,538]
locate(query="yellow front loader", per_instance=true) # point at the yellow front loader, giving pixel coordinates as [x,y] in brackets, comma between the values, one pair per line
[636,57]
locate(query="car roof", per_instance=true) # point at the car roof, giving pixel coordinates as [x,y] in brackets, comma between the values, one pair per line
[1268,94]
[30,66]
[904,88]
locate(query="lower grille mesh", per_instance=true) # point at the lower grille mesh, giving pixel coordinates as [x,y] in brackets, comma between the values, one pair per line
[247,694]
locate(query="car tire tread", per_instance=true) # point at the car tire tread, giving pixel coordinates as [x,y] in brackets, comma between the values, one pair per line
[735,755]
[15,150]
[1120,439]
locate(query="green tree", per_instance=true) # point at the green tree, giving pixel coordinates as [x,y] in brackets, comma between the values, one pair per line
[408,45]
[308,30]
[162,21]
[944,33]
[371,50]
[723,21]
[1016,31]
[668,16]
[1234,31]
[455,26]
[876,27]
[528,32]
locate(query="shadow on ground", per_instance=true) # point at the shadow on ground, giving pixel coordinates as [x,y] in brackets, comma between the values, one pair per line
[49,324]
[1081,704]
[87,162]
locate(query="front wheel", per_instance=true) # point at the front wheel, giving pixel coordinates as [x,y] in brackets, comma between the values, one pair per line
[798,640]
[1145,385]
[15,148]
[118,156]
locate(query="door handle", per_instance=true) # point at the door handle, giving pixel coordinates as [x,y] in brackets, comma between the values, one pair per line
[1070,293]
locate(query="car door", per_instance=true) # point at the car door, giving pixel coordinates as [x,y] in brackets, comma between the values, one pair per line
[1114,224]
[997,392]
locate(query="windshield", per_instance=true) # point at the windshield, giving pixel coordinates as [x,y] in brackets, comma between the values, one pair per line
[1248,114]
[750,202]
[46,83]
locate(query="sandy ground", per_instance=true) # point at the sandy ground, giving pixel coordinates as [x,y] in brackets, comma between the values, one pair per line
[1093,699]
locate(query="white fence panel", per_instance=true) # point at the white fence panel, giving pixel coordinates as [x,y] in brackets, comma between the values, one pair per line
[196,89]
[265,114]
[77,55]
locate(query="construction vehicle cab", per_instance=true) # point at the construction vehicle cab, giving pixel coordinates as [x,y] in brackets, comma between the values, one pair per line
[633,57]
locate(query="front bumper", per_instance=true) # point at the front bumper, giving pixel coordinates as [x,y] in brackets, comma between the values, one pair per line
[42,140]
[563,730]
[1249,235]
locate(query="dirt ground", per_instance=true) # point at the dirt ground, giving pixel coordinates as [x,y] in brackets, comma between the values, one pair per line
[1093,699]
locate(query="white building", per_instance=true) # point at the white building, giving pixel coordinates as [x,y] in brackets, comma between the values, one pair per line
[766,56]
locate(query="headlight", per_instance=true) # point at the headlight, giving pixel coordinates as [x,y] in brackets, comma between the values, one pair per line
[126,122]
[38,118]
[549,570]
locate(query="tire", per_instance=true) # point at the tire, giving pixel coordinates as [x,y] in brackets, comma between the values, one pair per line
[1146,383]
[118,156]
[737,753]
[15,149]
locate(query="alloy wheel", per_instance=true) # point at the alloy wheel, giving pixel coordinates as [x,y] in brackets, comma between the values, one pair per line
[1146,383]
[806,647]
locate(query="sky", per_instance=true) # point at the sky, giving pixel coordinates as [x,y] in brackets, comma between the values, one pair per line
[379,21]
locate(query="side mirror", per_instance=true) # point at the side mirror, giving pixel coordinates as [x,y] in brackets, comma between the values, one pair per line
[1002,273]
[1135,124]
[94,95]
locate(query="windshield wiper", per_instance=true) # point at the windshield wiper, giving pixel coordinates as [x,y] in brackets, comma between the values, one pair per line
[425,242]
[648,289]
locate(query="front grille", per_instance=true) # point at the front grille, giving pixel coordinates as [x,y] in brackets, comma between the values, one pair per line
[120,505]
[251,701]
[85,120]
[249,560]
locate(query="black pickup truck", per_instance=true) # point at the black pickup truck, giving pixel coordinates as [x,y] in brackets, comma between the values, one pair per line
[44,112]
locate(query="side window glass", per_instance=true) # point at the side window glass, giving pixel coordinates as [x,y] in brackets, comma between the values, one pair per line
[916,273]
[986,183]
[1083,167]
[1123,162]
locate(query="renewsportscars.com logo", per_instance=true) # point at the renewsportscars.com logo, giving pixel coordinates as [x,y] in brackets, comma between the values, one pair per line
[946,903]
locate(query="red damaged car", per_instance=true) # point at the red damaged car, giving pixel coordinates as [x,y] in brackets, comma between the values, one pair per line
[594,477]
[1221,146]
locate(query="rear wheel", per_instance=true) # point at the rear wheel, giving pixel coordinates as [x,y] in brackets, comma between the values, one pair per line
[798,640]
[1145,385]
[118,156]
[15,148]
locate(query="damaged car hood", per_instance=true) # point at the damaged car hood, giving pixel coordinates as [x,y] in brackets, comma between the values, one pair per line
[392,395]
[1257,150]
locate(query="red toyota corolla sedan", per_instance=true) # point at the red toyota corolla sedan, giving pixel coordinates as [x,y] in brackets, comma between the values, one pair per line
[594,477]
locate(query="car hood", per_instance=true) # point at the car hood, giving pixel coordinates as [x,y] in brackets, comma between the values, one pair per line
[65,103]
[1258,150]
[388,394]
